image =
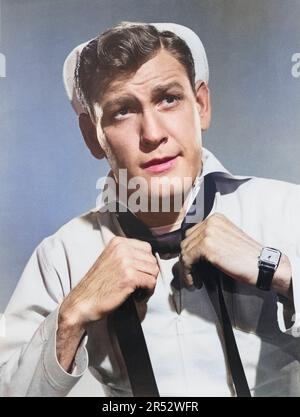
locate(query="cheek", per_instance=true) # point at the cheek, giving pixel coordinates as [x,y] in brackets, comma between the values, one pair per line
[121,146]
[185,127]
[188,134]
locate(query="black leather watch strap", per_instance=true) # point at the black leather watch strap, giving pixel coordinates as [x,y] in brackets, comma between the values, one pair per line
[265,278]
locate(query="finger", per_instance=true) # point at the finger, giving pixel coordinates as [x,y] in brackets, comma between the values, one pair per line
[141,255]
[140,244]
[134,249]
[146,267]
[185,273]
[216,219]
[192,229]
[193,240]
[229,234]
[134,243]
[197,230]
[187,279]
[145,285]
[145,281]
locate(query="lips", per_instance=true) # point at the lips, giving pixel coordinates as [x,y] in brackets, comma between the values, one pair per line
[160,164]
[158,161]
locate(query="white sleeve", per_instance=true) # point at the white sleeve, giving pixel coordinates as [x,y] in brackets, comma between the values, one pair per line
[28,363]
[289,311]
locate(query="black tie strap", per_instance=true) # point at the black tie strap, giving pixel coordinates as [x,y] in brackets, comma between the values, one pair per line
[211,277]
[134,350]
[127,324]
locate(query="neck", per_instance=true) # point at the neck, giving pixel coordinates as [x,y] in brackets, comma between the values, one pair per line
[173,216]
[157,219]
[161,217]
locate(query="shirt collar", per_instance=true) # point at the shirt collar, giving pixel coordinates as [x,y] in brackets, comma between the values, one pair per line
[211,165]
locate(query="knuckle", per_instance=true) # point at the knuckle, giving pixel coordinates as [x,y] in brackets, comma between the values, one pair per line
[151,270]
[153,261]
[128,270]
[150,282]
[116,241]
[219,217]
[213,220]
[212,226]
[184,260]
[211,231]
[212,258]
[124,263]
[153,283]
[147,246]
[184,244]
[209,250]
[207,244]
[156,270]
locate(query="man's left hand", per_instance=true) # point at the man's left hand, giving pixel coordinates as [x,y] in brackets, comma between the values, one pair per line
[220,242]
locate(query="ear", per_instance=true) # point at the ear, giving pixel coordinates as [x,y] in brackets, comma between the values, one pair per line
[89,133]
[203,100]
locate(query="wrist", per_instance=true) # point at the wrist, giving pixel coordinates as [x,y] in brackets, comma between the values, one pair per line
[69,319]
[68,336]
[282,279]
[268,263]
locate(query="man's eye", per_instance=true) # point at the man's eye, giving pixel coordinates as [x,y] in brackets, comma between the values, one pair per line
[122,113]
[170,100]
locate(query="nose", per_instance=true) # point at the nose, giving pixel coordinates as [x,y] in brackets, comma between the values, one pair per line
[152,132]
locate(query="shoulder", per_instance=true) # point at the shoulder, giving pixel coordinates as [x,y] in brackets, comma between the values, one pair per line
[270,190]
[270,200]
[68,253]
[272,184]
[79,235]
[83,225]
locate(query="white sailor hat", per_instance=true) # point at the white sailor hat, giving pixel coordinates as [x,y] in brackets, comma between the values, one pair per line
[190,37]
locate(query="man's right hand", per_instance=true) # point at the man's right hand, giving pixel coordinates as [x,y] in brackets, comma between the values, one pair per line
[123,266]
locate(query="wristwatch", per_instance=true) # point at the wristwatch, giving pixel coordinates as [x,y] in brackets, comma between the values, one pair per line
[268,262]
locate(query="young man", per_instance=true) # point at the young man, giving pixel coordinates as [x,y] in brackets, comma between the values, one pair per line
[145,112]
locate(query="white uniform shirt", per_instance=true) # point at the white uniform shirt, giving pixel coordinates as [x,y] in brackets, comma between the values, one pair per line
[180,327]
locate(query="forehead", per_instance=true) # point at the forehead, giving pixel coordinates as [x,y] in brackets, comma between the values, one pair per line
[163,68]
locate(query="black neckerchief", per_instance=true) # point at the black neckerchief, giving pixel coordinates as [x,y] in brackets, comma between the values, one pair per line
[127,324]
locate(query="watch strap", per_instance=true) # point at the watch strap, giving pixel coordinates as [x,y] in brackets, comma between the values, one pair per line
[265,278]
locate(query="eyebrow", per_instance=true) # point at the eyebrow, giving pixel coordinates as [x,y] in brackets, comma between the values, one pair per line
[130,100]
[160,90]
[119,102]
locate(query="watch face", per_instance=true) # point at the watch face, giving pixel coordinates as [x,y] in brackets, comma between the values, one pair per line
[270,255]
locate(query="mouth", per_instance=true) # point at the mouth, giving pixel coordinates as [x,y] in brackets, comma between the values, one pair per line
[158,165]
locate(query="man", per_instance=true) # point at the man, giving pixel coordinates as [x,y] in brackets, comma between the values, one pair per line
[144,112]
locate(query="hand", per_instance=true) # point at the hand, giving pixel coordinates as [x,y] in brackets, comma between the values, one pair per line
[123,266]
[218,241]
